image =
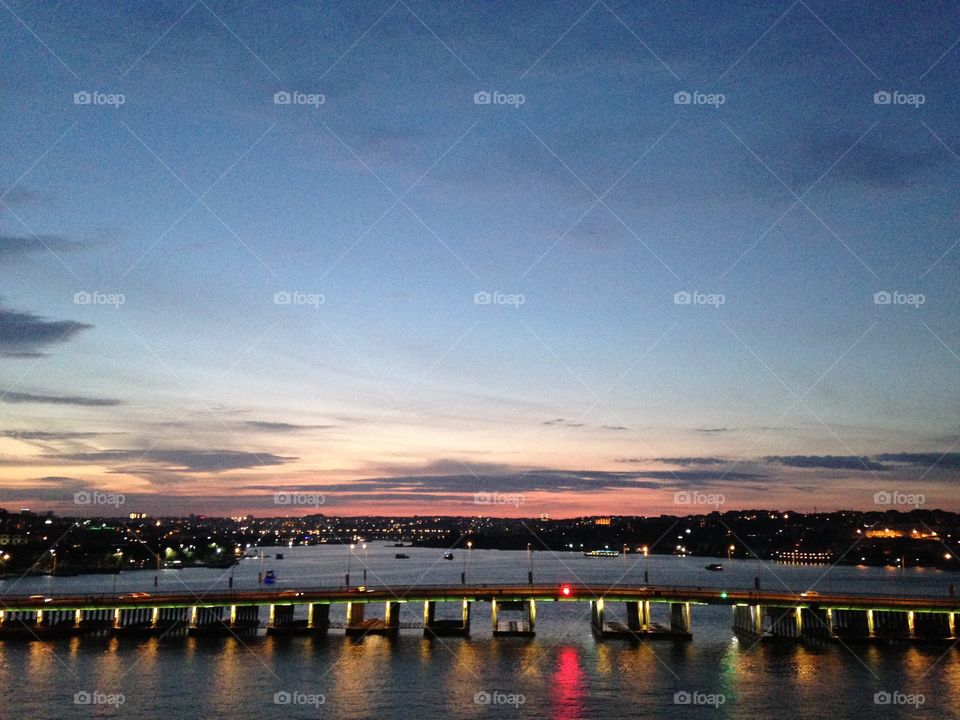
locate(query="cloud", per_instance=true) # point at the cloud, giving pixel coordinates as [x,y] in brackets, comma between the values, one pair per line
[685,461]
[281,427]
[19,397]
[945,461]
[870,164]
[43,435]
[18,246]
[830,462]
[26,335]
[562,422]
[175,460]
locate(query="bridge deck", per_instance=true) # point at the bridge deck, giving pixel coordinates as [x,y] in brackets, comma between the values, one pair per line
[482,593]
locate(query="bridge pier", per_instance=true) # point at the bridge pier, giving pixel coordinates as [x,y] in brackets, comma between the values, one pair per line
[523,627]
[748,619]
[358,626]
[817,623]
[680,618]
[223,619]
[433,627]
[283,622]
[133,621]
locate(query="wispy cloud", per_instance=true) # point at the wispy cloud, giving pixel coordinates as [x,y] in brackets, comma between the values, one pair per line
[27,335]
[20,397]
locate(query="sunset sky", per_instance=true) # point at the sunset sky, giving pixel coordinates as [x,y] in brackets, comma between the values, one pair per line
[450,275]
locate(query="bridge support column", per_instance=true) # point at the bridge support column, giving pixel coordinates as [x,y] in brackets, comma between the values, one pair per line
[817,623]
[355,613]
[440,627]
[318,617]
[596,615]
[524,626]
[680,618]
[391,615]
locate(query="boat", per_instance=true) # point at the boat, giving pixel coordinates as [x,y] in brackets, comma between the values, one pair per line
[279,556]
[448,556]
[398,545]
[602,553]
[715,567]
[270,578]
[402,556]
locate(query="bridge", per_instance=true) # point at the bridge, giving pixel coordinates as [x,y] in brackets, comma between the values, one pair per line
[513,611]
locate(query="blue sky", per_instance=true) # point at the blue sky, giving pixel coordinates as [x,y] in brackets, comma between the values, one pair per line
[583,198]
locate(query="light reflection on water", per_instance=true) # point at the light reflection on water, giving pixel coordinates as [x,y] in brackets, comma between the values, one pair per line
[562,673]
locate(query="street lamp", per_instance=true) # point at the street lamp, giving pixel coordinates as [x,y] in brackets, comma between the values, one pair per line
[646,564]
[364,563]
[530,564]
[463,572]
[730,551]
[349,558]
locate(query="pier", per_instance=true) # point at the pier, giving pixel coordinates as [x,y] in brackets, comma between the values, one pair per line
[513,612]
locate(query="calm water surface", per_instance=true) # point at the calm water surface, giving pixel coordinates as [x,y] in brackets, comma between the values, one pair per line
[561,673]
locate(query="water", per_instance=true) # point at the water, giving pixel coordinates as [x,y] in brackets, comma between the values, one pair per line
[561,673]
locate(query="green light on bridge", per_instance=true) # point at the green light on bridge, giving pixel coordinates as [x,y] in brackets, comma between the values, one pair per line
[723,595]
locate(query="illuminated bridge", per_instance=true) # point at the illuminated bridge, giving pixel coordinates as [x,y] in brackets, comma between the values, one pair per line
[513,611]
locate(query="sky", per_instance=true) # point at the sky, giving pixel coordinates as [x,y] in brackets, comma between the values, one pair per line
[479,258]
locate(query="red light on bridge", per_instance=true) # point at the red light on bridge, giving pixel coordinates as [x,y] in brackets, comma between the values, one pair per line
[566,591]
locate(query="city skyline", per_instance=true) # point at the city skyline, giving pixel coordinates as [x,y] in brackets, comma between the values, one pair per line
[405,259]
